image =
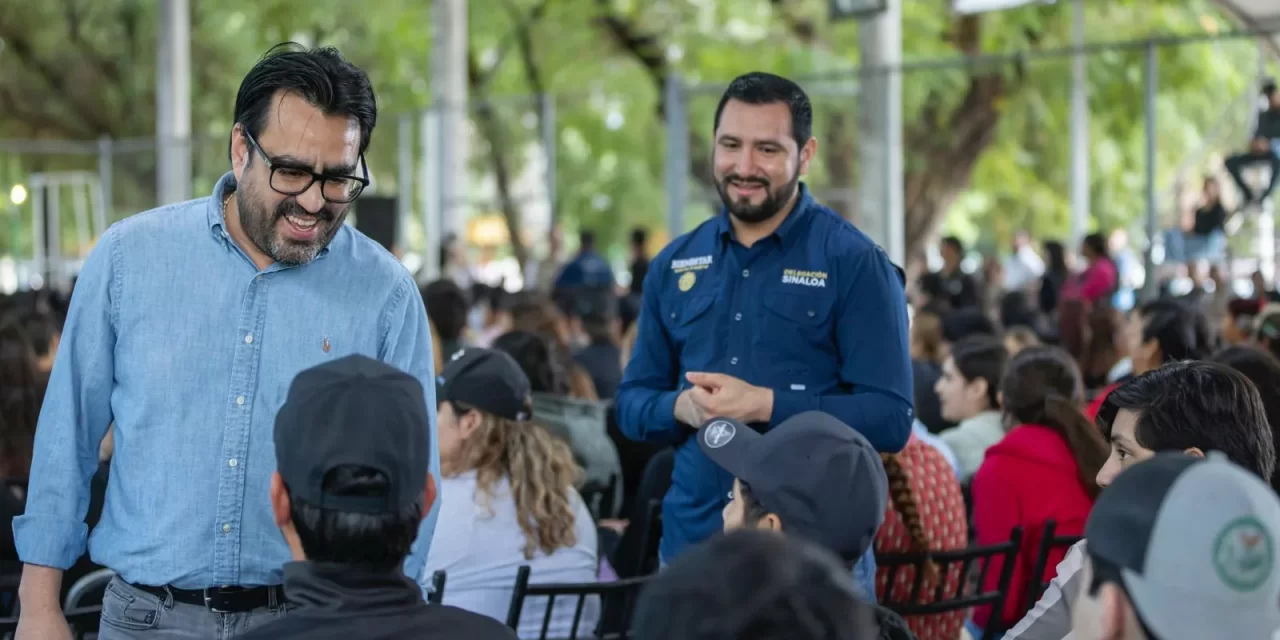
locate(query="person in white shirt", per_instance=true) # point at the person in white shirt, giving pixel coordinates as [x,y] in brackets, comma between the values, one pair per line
[1024,267]
[508,498]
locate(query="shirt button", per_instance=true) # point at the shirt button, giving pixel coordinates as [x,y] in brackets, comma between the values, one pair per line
[737,316]
[232,462]
[746,273]
[673,315]
[226,528]
[812,313]
[248,339]
[239,399]
[733,361]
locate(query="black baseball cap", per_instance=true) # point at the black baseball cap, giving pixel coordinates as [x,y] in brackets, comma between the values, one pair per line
[819,475]
[488,380]
[354,411]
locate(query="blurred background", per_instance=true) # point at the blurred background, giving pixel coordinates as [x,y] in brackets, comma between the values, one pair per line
[501,119]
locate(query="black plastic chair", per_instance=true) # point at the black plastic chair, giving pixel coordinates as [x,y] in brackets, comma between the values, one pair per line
[973,563]
[1048,543]
[623,593]
[436,594]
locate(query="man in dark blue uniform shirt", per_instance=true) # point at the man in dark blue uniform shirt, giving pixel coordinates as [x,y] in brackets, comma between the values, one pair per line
[588,270]
[774,307]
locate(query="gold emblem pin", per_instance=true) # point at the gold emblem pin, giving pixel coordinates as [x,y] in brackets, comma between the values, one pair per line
[687,280]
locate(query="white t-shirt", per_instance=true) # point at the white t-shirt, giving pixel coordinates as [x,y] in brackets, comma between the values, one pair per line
[481,554]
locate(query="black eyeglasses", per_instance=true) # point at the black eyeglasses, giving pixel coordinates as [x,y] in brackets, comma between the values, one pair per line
[292,181]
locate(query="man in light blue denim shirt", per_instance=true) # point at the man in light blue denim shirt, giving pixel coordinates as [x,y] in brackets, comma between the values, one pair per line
[187,325]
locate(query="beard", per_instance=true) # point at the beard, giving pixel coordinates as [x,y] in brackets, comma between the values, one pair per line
[262,228]
[774,199]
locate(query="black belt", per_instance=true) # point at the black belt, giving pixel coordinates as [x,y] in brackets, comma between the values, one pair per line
[221,599]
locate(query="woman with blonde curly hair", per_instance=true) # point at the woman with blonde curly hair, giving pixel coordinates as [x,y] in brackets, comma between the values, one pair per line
[508,497]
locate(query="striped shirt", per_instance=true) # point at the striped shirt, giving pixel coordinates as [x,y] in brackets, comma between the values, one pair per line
[1050,619]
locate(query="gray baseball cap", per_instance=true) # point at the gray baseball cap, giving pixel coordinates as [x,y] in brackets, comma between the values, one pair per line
[822,478]
[1195,542]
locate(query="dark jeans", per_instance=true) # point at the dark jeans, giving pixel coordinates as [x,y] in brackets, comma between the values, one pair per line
[1237,163]
[133,614]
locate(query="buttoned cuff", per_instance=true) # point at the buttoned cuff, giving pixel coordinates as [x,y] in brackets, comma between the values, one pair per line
[49,541]
[788,403]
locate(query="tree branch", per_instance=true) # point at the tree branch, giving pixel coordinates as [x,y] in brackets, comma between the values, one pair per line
[803,29]
[54,78]
[109,69]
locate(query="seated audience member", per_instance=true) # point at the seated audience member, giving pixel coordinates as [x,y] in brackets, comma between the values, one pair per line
[1263,370]
[1163,331]
[491,318]
[754,585]
[582,424]
[1266,332]
[509,497]
[1181,548]
[969,393]
[1191,407]
[1238,322]
[811,476]
[537,314]
[1046,467]
[926,513]
[963,323]
[44,331]
[447,309]
[926,367]
[352,448]
[593,321]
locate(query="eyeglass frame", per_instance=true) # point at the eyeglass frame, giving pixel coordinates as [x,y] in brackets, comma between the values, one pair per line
[272,167]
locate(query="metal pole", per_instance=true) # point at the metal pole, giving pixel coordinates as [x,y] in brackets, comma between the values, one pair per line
[677,175]
[404,179]
[547,103]
[53,217]
[102,212]
[173,102]
[38,218]
[1079,128]
[429,194]
[449,96]
[1150,285]
[881,210]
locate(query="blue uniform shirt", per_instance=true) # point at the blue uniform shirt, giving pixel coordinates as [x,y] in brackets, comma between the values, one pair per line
[588,270]
[816,312]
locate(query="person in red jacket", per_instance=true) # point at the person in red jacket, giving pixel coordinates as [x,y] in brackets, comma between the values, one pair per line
[1045,467]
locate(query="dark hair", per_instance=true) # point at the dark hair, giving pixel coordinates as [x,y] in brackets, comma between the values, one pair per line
[376,540]
[752,510]
[1097,243]
[1205,405]
[639,237]
[1015,310]
[41,327]
[587,240]
[1042,386]
[534,355]
[1181,332]
[321,76]
[21,395]
[962,323]
[493,299]
[447,308]
[1243,307]
[1263,370]
[1055,259]
[753,584]
[1267,331]
[954,243]
[760,88]
[982,358]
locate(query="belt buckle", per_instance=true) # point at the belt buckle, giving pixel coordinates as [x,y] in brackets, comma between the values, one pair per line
[209,603]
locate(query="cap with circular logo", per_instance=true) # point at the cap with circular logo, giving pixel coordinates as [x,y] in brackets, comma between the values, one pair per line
[819,475]
[1194,540]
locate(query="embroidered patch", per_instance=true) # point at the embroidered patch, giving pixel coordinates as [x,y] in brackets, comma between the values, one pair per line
[1244,554]
[687,280]
[719,433]
[804,278]
[691,264]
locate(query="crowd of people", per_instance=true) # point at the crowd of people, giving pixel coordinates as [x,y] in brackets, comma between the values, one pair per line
[263,427]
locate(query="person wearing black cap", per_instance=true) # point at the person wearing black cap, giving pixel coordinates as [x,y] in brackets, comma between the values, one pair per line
[510,498]
[811,477]
[352,484]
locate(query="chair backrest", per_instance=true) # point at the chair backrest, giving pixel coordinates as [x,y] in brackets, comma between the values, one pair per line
[1048,543]
[88,590]
[600,498]
[623,592]
[436,594]
[969,591]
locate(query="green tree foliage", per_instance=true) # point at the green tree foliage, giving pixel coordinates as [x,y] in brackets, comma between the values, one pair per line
[986,143]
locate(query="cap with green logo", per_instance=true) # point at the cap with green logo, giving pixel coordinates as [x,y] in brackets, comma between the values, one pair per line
[1195,541]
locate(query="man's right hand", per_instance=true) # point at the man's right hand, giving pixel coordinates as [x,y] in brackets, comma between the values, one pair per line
[42,624]
[41,616]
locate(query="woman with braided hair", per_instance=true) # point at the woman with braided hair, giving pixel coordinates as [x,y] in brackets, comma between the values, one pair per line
[925,513]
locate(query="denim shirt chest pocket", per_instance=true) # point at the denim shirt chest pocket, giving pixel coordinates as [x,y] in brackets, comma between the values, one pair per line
[294,341]
[798,330]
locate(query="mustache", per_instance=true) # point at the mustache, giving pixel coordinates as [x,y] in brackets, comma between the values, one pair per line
[291,207]
[733,178]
